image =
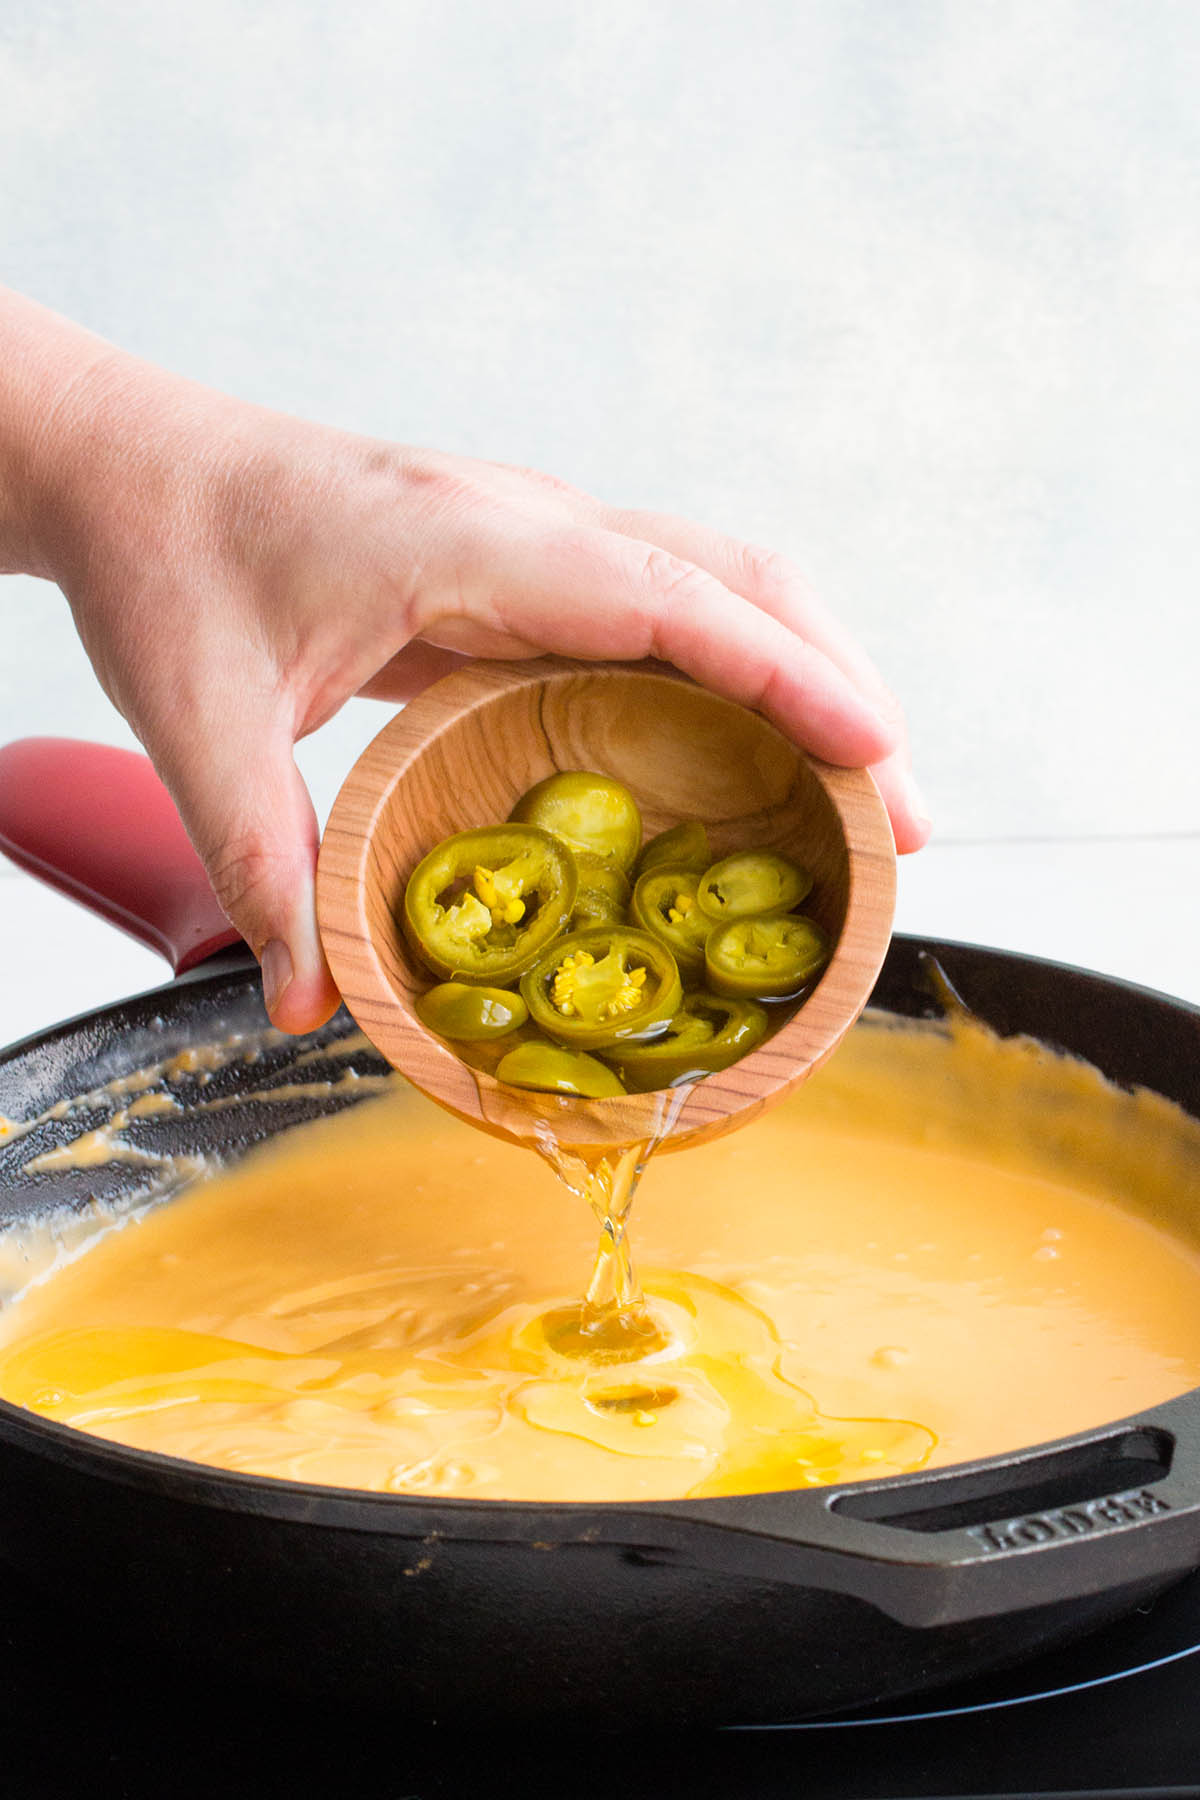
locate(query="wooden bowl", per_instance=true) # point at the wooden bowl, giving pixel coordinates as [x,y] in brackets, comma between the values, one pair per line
[461,755]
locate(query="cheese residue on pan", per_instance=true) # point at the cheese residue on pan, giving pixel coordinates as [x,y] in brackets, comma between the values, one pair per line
[943,1247]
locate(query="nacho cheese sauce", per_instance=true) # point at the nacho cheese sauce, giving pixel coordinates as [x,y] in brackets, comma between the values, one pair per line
[944,1247]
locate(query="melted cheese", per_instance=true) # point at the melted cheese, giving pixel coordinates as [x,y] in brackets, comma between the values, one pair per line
[942,1248]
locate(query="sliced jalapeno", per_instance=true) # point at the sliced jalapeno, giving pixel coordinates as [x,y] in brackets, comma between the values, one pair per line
[588,812]
[556,1071]
[765,959]
[706,1034]
[664,904]
[606,986]
[684,846]
[483,904]
[454,1009]
[752,881]
[603,894]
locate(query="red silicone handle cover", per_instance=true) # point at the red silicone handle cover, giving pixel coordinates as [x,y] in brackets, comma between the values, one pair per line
[97,824]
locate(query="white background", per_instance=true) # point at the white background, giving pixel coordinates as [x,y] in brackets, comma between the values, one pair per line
[906,290]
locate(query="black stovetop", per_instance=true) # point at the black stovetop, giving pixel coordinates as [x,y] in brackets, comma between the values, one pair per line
[1118,1715]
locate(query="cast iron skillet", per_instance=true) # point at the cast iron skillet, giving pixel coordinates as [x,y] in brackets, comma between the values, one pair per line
[745,1608]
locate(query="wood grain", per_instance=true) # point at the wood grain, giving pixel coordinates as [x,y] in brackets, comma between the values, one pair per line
[461,755]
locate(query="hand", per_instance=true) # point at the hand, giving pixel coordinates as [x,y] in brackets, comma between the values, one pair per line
[236,575]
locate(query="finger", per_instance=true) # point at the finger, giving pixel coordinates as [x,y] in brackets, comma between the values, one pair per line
[249,814]
[595,593]
[769,581]
[905,806]
[410,670]
[418,664]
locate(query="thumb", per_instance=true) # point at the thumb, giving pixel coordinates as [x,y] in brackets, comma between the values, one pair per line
[248,812]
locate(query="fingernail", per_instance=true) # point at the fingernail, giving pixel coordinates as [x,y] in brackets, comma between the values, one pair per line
[277,972]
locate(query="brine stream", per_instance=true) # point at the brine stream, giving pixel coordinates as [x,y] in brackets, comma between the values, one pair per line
[613,1322]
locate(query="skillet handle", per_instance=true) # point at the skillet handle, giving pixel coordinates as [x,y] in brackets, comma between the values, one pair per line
[1111,1509]
[96,823]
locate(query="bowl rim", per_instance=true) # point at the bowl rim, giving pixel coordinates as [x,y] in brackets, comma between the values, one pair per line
[670,1116]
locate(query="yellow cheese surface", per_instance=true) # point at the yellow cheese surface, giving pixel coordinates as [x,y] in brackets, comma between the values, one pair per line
[940,1248]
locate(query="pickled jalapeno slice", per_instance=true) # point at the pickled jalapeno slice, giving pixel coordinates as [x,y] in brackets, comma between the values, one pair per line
[664,904]
[483,905]
[684,846]
[594,907]
[603,894]
[554,1070]
[455,1009]
[765,958]
[590,813]
[605,986]
[600,954]
[752,881]
[707,1033]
